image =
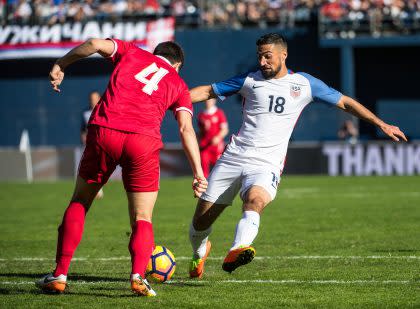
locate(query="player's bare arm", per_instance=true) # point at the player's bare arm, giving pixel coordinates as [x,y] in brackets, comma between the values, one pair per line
[353,107]
[103,47]
[202,93]
[189,143]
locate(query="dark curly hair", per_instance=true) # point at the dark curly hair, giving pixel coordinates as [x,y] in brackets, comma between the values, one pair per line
[272,38]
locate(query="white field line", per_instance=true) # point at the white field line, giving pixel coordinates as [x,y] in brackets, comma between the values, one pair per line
[356,195]
[287,281]
[299,193]
[287,257]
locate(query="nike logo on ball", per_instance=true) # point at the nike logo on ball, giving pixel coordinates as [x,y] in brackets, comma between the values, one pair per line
[255,86]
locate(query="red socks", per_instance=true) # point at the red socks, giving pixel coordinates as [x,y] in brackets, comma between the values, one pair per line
[141,246]
[69,235]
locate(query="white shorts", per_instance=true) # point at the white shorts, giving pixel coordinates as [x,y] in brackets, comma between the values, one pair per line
[229,177]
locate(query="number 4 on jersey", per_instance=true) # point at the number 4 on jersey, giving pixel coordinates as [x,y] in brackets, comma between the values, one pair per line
[152,83]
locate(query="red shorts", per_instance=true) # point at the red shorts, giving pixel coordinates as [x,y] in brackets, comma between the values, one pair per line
[137,154]
[209,156]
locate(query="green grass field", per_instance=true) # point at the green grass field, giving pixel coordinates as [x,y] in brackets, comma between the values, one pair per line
[324,242]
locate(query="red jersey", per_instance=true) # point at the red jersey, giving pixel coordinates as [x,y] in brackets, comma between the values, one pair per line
[141,89]
[210,123]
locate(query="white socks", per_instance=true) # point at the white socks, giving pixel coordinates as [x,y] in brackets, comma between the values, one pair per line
[198,241]
[247,229]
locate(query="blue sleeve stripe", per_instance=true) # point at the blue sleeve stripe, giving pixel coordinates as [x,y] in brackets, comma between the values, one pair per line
[229,86]
[217,92]
[321,91]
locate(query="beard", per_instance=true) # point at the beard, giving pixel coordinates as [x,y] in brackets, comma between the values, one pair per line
[269,74]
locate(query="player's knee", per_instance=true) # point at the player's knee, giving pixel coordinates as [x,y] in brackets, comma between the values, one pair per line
[255,202]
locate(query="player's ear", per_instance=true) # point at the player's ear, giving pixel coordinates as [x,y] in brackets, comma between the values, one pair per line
[177,66]
[283,56]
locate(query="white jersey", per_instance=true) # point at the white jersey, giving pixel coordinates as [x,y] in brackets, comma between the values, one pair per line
[271,108]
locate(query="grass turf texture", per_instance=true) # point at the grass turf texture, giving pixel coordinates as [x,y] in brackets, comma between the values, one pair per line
[345,220]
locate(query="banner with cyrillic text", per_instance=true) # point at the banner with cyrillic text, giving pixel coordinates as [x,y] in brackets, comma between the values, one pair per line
[44,41]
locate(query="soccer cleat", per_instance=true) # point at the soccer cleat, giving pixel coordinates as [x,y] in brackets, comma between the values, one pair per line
[197,265]
[238,257]
[52,284]
[140,286]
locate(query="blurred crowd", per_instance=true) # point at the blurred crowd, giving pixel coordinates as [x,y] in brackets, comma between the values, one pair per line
[221,13]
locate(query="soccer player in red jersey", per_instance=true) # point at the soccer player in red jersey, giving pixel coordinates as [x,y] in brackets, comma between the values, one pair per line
[124,129]
[213,129]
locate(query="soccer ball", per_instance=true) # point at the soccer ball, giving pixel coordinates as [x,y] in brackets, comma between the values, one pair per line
[161,265]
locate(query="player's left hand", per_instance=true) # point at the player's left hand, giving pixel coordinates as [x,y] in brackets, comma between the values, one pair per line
[216,140]
[199,186]
[393,132]
[56,77]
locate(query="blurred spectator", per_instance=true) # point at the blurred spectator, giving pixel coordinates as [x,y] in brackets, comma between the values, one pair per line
[215,14]
[287,14]
[23,12]
[348,132]
[375,14]
[152,7]
[332,10]
[241,12]
[254,13]
[179,7]
[44,10]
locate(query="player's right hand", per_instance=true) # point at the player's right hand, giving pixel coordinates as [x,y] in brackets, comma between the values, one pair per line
[56,77]
[199,186]
[393,132]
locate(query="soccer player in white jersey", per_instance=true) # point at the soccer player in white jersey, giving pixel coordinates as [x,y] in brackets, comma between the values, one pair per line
[254,159]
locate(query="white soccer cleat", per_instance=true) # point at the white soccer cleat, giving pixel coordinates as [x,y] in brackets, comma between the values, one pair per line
[49,283]
[140,286]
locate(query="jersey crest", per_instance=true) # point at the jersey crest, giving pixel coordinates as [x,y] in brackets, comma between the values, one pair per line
[294,91]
